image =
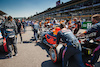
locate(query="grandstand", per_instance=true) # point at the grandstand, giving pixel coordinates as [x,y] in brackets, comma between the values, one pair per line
[1,15]
[75,8]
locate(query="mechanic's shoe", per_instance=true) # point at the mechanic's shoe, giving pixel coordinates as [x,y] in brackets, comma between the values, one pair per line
[88,65]
[15,54]
[9,56]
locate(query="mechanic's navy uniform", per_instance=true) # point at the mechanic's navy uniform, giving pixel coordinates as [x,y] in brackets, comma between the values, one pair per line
[73,47]
[10,31]
[95,29]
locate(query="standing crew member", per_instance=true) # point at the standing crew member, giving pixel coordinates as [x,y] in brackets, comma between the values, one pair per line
[10,31]
[24,24]
[19,28]
[36,27]
[77,27]
[94,29]
[72,46]
[40,25]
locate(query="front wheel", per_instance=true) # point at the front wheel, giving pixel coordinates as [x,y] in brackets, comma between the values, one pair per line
[43,40]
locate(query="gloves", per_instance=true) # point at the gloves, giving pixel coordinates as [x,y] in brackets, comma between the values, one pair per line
[53,47]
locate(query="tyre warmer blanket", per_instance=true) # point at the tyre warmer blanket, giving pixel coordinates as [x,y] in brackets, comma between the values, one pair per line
[4,43]
[5,46]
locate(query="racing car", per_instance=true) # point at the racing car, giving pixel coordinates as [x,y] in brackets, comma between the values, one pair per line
[49,38]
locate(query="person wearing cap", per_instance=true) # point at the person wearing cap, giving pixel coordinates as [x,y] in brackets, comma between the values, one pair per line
[94,29]
[10,31]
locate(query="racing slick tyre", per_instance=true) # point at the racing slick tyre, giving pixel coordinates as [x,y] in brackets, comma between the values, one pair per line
[56,54]
[3,46]
[53,55]
[43,41]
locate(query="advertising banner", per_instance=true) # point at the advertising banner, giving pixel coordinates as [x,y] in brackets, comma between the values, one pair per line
[86,25]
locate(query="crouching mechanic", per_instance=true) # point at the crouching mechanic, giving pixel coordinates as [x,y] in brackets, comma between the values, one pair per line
[71,48]
[10,31]
[95,29]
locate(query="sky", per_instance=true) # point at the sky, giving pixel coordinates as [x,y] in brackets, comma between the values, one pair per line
[26,8]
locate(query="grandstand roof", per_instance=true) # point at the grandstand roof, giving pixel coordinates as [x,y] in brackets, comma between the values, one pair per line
[2,13]
[64,4]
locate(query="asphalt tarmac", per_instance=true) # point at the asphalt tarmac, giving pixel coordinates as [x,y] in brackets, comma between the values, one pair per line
[30,54]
